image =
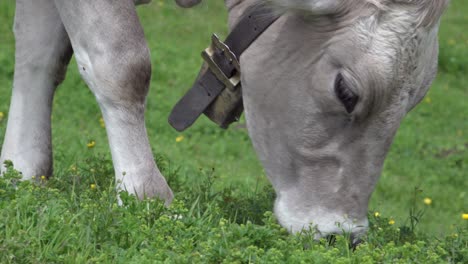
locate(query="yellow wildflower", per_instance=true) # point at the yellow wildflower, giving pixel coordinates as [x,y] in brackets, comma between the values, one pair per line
[427,201]
[428,100]
[391,222]
[377,214]
[101,122]
[92,186]
[2,115]
[179,138]
[91,144]
[43,177]
[33,177]
[465,216]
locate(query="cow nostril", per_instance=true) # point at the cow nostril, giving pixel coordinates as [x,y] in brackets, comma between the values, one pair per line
[331,239]
[354,242]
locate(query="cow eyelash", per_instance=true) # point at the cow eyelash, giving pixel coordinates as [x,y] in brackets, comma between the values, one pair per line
[347,97]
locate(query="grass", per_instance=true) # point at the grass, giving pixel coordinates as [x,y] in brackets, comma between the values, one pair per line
[222,193]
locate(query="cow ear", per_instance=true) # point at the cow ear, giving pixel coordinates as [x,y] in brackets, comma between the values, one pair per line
[318,7]
[187,3]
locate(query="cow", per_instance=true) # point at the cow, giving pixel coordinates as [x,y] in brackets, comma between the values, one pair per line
[324,89]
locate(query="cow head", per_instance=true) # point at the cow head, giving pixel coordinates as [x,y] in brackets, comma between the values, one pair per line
[325,89]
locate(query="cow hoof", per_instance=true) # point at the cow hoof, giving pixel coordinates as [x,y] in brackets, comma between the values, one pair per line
[153,187]
[187,3]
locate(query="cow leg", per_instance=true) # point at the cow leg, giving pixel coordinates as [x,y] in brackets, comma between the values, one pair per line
[42,53]
[114,60]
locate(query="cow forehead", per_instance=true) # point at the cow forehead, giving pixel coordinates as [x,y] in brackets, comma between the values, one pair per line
[383,50]
[377,53]
[426,12]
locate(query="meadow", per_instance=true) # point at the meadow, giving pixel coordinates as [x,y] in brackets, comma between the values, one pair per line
[222,210]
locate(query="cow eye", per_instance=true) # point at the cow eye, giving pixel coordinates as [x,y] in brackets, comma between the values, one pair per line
[345,94]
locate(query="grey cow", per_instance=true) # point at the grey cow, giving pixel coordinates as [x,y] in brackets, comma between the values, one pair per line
[325,88]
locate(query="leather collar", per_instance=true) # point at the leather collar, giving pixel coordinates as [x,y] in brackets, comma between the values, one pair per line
[221,70]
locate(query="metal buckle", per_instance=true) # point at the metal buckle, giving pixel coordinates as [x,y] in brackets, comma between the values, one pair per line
[208,53]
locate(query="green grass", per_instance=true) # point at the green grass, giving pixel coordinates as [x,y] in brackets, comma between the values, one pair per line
[221,190]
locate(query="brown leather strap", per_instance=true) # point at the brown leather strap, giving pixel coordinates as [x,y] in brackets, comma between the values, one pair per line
[207,86]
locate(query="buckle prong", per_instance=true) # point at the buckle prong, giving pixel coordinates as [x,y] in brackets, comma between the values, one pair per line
[217,45]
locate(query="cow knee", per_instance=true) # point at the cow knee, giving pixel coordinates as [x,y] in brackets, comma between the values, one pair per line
[118,76]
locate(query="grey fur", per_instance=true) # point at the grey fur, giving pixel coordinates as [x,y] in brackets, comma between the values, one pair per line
[322,161]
